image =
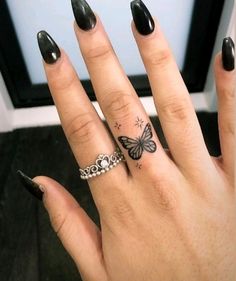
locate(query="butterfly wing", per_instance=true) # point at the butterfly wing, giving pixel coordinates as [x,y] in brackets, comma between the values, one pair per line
[128,143]
[147,133]
[135,150]
[136,147]
[148,144]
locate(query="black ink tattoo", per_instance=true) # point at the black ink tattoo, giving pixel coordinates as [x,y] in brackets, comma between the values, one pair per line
[139,123]
[117,126]
[139,166]
[137,146]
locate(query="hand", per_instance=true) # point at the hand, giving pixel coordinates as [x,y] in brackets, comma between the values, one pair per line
[162,218]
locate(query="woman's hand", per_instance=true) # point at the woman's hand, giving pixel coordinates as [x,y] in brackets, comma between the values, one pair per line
[162,217]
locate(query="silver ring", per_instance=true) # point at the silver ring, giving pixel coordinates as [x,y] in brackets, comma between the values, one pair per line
[103,164]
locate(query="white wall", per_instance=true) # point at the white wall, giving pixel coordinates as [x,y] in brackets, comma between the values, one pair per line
[57,17]
[11,118]
[6,108]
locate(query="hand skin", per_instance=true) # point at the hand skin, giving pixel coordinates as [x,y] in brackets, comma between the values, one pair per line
[173,220]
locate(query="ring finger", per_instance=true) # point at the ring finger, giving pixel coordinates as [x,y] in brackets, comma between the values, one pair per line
[78,117]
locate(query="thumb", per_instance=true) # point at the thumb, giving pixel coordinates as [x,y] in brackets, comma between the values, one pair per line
[77,232]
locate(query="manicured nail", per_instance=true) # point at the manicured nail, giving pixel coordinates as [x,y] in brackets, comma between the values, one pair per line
[228,54]
[84,15]
[142,17]
[48,48]
[34,188]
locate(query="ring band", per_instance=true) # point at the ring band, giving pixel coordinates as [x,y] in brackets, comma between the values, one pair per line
[103,164]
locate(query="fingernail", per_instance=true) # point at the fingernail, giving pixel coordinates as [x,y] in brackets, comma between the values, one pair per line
[142,17]
[228,54]
[48,48]
[34,188]
[84,15]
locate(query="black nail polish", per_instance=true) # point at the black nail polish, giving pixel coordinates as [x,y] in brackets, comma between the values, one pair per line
[30,185]
[142,17]
[84,15]
[48,47]
[228,54]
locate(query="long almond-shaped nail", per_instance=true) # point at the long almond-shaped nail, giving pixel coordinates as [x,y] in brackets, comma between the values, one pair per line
[142,18]
[48,48]
[84,15]
[34,188]
[228,54]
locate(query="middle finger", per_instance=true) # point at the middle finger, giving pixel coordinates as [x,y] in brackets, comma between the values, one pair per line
[119,102]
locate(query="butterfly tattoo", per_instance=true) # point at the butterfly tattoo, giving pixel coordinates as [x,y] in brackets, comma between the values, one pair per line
[137,146]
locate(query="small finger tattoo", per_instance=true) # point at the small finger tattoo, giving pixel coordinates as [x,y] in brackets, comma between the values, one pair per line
[117,126]
[137,146]
[139,123]
[139,166]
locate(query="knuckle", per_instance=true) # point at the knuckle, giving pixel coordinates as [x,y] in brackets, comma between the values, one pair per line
[165,197]
[59,217]
[175,109]
[58,221]
[228,129]
[123,212]
[159,58]
[81,129]
[226,96]
[62,221]
[118,105]
[63,81]
[164,193]
[101,52]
